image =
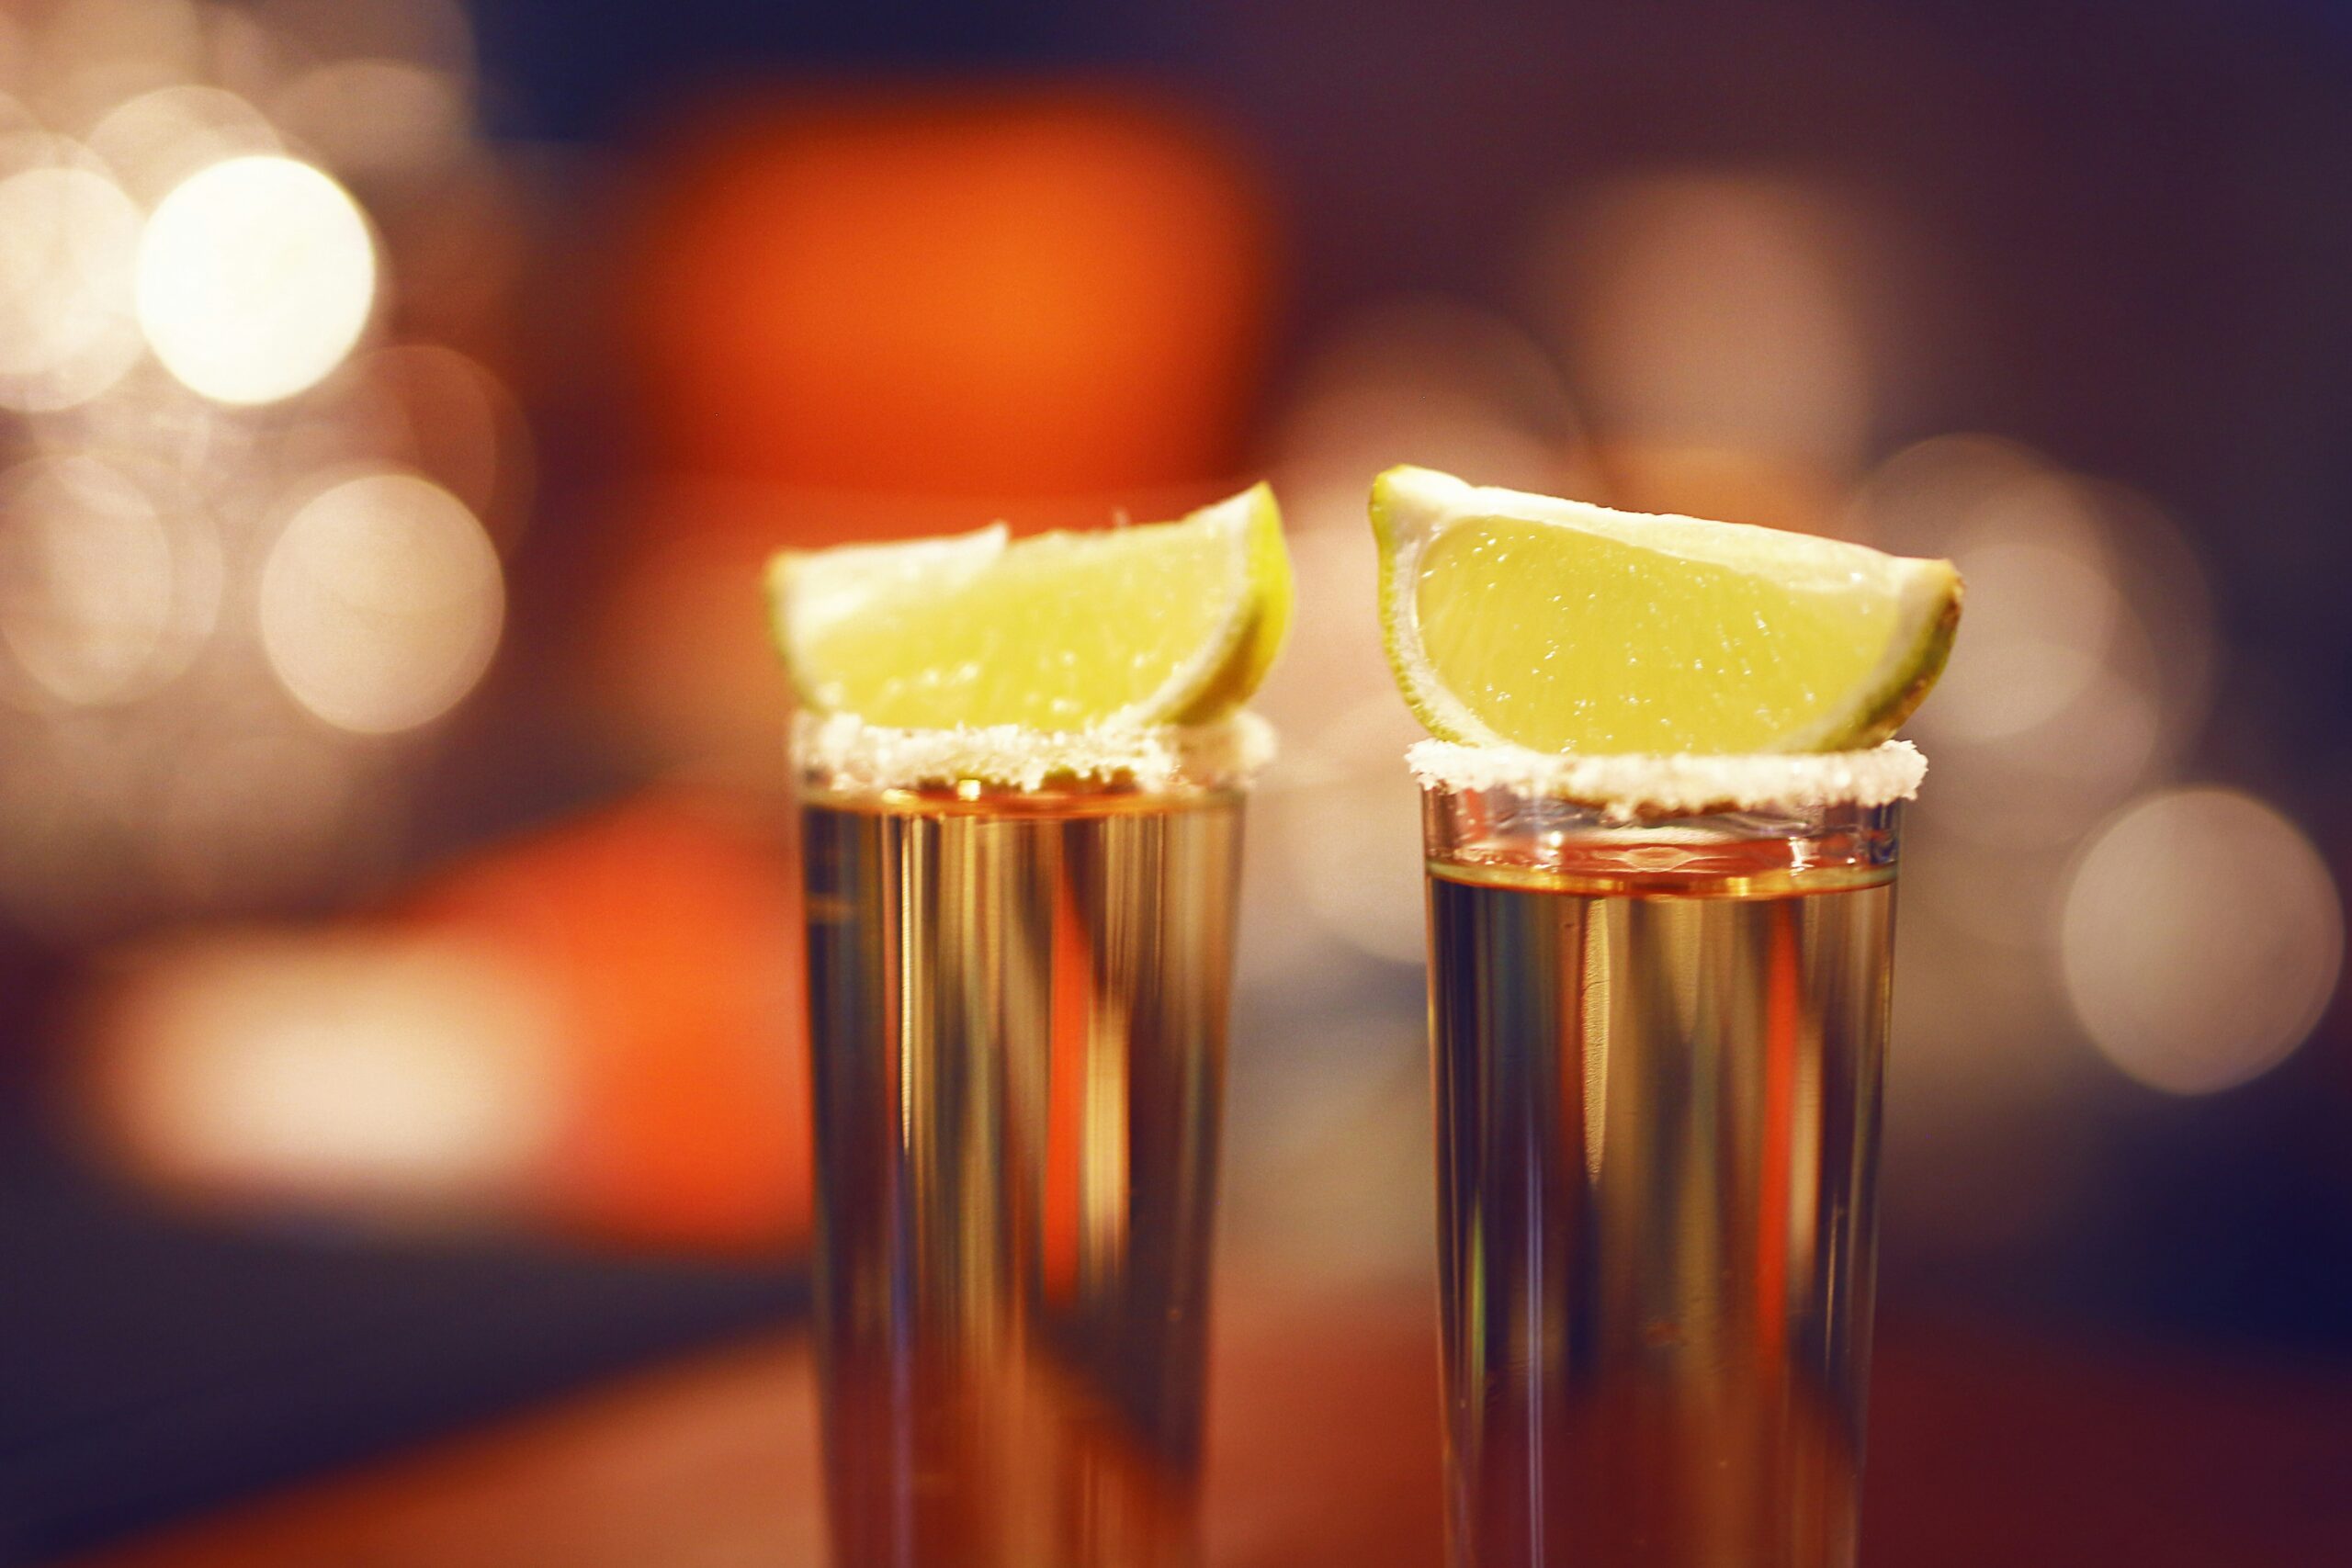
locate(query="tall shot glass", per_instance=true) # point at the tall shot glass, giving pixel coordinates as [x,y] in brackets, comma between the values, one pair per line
[1658,995]
[1019,968]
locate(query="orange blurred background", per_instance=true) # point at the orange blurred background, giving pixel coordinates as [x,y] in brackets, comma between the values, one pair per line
[398,397]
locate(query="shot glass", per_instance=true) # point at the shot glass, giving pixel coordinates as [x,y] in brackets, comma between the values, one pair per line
[1658,994]
[1019,969]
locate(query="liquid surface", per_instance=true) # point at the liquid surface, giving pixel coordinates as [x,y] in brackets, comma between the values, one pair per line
[1658,1091]
[1019,1015]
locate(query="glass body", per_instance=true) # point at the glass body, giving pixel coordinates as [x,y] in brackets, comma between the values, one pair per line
[1657,1051]
[1018,1007]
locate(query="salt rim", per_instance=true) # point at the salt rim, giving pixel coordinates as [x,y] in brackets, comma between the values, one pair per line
[1624,787]
[843,751]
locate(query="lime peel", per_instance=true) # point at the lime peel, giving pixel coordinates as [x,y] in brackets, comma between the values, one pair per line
[1118,630]
[1513,618]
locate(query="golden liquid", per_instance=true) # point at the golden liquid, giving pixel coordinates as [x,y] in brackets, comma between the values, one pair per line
[1657,1092]
[1018,1009]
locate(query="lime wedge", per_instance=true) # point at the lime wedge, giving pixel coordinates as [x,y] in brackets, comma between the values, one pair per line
[1165,622]
[1560,627]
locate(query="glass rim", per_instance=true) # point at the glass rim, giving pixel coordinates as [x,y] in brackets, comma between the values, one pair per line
[842,754]
[1637,787]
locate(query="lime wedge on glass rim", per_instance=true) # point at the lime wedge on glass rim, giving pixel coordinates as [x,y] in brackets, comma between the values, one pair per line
[1126,628]
[1561,627]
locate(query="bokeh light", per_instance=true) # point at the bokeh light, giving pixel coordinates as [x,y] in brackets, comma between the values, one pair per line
[1350,835]
[69,243]
[159,138]
[368,119]
[186,284]
[430,409]
[2079,678]
[2041,614]
[1915,500]
[2202,937]
[88,55]
[1710,321]
[390,1071]
[1427,379]
[102,595]
[86,579]
[2086,667]
[430,33]
[255,279]
[381,603]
